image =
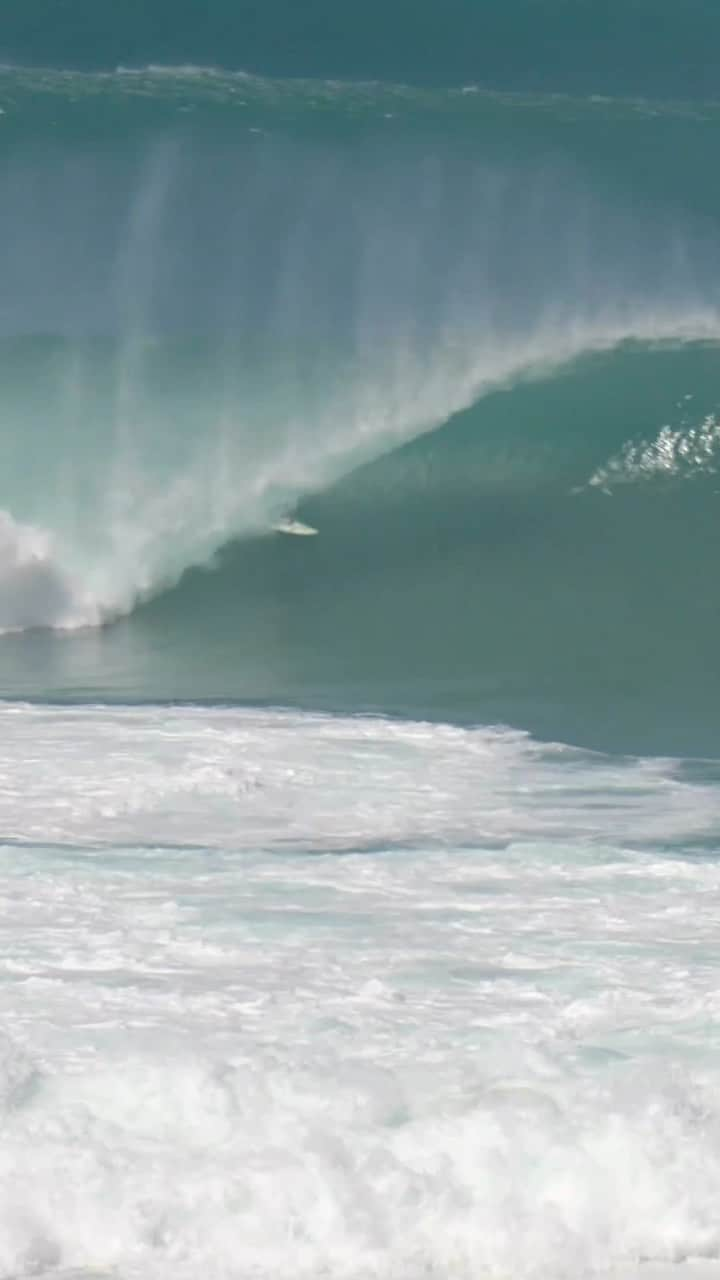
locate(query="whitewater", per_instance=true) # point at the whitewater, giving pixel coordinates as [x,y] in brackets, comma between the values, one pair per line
[290,994]
[359,893]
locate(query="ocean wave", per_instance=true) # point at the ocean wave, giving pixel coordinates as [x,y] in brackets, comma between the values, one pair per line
[43,101]
[146,520]
[601,48]
[430,337]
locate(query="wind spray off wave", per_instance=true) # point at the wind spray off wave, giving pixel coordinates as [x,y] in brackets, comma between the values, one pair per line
[34,590]
[240,316]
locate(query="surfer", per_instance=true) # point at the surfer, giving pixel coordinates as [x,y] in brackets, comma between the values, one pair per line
[288,525]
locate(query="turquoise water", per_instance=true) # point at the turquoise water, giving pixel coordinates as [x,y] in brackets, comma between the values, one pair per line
[472,333]
[359,892]
[666,49]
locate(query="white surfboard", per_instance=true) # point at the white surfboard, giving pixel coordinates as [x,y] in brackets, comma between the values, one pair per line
[295,526]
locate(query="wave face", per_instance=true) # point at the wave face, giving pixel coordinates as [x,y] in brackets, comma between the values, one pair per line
[473,334]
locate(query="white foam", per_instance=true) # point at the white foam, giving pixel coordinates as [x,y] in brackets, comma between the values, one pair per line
[387,293]
[278,779]
[482,1044]
[676,453]
[35,591]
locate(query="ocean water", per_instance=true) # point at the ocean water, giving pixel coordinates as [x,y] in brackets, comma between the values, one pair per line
[359,892]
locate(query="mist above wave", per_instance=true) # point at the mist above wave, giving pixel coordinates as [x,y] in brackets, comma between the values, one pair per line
[208,331]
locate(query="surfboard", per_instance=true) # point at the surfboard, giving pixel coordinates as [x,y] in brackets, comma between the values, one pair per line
[296,527]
